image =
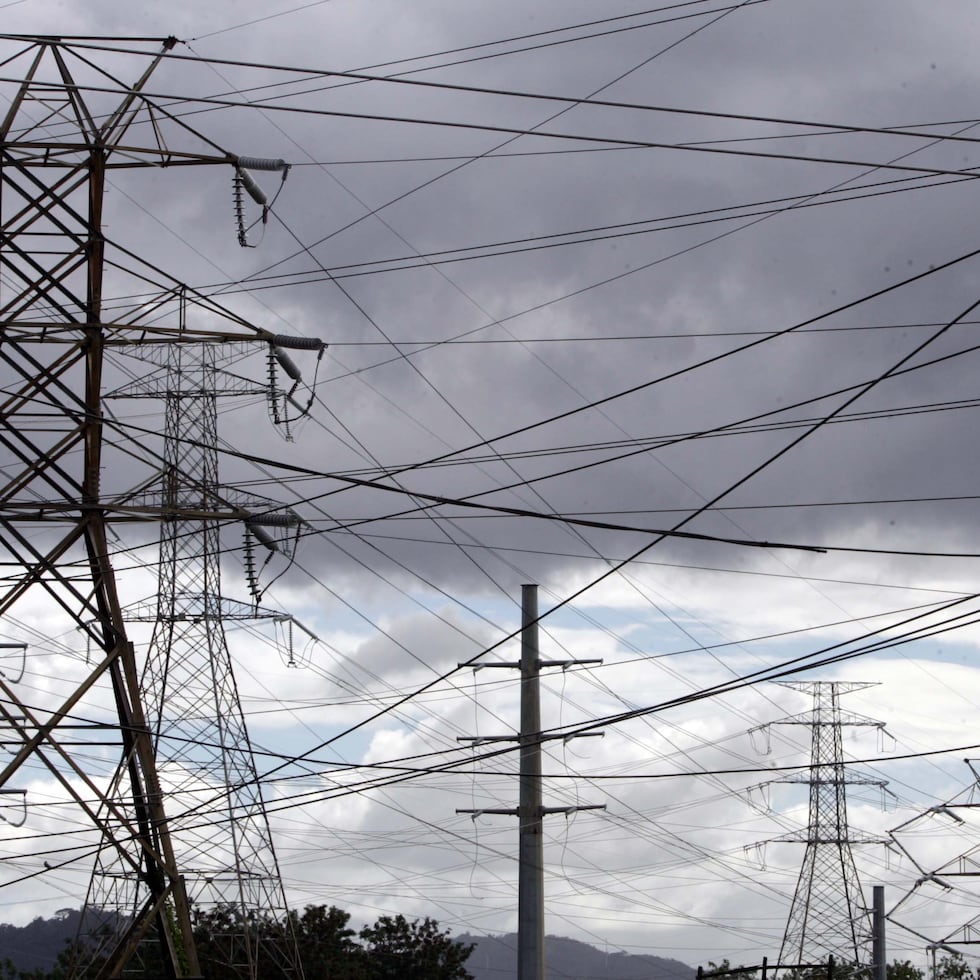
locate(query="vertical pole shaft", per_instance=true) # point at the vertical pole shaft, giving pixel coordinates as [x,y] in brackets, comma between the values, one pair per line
[530,898]
[878,955]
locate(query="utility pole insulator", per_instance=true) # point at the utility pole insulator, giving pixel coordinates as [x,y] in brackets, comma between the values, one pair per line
[261,163]
[298,343]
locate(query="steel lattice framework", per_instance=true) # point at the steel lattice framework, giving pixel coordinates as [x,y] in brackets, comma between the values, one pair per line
[941,845]
[828,916]
[205,760]
[70,122]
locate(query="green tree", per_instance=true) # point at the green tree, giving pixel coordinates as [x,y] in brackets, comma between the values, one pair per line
[327,947]
[952,966]
[396,949]
[896,970]
[224,946]
[903,970]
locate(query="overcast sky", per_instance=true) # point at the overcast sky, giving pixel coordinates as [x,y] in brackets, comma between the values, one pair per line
[758,235]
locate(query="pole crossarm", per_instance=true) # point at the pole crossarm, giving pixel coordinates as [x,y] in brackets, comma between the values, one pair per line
[544,811]
[540,738]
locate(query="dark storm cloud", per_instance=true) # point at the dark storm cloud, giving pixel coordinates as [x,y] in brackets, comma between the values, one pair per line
[691,294]
[779,271]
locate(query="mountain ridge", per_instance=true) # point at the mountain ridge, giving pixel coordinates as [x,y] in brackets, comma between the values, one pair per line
[495,958]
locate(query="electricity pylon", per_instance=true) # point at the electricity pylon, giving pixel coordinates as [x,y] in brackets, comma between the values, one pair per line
[218,817]
[69,123]
[828,916]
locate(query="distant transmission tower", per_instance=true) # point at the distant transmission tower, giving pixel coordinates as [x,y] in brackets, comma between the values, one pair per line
[828,916]
[218,817]
[73,116]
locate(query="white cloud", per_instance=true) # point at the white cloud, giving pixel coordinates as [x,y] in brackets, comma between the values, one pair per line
[400,588]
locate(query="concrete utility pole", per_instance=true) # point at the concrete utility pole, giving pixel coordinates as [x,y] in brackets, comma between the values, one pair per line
[530,812]
[879,955]
[530,889]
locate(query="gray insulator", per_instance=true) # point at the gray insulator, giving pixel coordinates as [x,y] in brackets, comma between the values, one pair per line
[263,537]
[261,163]
[298,343]
[254,191]
[287,519]
[288,364]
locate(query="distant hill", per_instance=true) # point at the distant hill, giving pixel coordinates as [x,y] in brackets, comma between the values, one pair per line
[36,946]
[495,958]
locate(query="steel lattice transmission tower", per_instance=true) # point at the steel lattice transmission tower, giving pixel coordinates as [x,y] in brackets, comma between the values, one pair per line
[828,916]
[218,817]
[75,114]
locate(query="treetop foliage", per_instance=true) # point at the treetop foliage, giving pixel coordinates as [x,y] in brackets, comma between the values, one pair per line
[951,966]
[393,947]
